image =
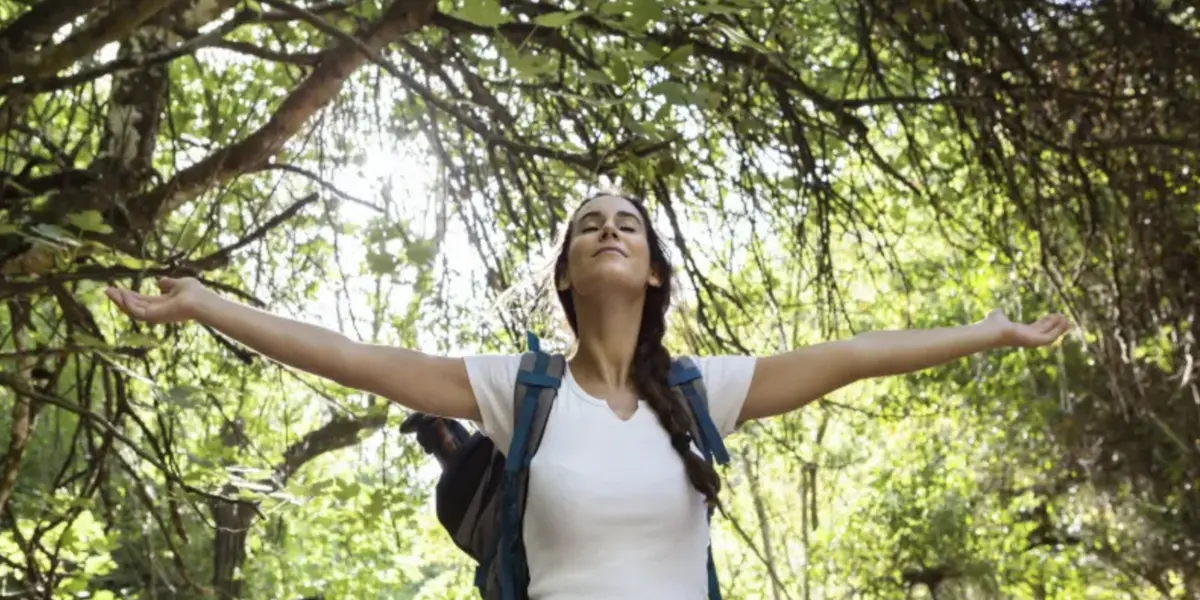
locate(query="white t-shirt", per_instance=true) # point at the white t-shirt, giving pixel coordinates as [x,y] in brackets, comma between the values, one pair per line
[611,513]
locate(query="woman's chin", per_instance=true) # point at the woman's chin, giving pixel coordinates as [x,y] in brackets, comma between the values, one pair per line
[610,282]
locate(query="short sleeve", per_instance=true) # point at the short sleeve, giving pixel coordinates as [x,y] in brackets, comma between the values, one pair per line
[492,380]
[727,381]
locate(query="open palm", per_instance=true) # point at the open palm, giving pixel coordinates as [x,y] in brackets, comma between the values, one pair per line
[177,303]
[1042,332]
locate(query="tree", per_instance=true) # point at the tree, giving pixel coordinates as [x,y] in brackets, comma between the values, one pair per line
[859,153]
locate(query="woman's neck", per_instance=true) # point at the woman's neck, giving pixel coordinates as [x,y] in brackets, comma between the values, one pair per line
[607,331]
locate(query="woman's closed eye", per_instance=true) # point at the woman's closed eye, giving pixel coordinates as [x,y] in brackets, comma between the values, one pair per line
[625,227]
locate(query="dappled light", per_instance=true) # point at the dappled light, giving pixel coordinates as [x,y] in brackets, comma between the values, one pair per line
[400,171]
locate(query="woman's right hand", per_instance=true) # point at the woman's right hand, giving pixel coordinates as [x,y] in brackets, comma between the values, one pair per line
[179,302]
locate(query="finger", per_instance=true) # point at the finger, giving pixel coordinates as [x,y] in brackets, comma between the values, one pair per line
[128,295]
[155,308]
[166,284]
[1043,325]
[1054,322]
[1058,327]
[146,308]
[138,305]
[118,297]
[1064,326]
[1050,324]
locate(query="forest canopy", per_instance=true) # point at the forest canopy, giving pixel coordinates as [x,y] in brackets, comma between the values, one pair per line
[398,170]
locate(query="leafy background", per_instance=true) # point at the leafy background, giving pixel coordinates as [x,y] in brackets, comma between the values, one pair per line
[398,171]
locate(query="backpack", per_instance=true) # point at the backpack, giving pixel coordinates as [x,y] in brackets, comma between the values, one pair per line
[480,496]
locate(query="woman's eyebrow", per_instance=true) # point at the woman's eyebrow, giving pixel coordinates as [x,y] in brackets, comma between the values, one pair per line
[595,214]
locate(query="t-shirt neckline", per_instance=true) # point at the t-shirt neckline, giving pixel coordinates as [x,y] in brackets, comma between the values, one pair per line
[569,380]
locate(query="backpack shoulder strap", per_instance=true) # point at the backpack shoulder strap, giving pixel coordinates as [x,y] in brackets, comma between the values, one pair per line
[538,379]
[536,387]
[685,377]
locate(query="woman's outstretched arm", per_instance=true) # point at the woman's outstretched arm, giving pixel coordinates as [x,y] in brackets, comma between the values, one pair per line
[431,384]
[785,382]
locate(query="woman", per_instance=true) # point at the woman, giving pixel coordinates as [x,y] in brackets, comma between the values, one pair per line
[611,513]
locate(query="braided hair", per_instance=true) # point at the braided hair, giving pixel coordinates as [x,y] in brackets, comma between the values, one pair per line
[651,361]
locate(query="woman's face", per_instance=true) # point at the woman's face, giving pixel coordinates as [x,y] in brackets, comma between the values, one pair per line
[609,249]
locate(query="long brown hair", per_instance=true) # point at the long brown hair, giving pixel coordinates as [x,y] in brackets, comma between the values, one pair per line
[651,361]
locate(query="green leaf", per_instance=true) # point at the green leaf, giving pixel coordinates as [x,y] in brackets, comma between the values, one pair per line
[72,585]
[616,7]
[715,9]
[183,394]
[376,506]
[7,228]
[642,13]
[381,262]
[594,76]
[620,71]
[421,252]
[529,66]
[139,340]
[673,91]
[55,233]
[97,564]
[679,55]
[485,13]
[348,491]
[591,100]
[556,19]
[736,36]
[87,340]
[89,220]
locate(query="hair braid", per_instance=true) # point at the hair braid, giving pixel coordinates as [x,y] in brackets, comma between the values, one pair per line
[651,367]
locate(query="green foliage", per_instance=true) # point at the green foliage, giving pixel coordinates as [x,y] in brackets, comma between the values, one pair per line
[819,169]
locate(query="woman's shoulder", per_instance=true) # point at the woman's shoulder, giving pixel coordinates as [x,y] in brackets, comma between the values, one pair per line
[721,364]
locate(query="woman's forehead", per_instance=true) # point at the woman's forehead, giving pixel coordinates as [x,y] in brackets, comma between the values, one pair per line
[606,205]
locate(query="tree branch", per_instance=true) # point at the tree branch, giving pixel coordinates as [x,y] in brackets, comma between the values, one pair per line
[112,27]
[334,435]
[55,83]
[9,289]
[221,257]
[306,59]
[37,24]
[317,90]
[288,168]
[34,395]
[24,410]
[15,188]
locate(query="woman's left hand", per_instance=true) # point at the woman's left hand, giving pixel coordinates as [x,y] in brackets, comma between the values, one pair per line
[1042,332]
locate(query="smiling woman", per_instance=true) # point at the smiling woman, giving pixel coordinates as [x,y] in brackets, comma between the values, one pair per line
[142,137]
[605,487]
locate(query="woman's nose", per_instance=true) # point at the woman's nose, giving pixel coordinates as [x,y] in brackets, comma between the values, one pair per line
[608,230]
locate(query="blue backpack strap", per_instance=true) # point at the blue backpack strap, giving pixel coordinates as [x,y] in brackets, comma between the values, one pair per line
[685,377]
[714,584]
[537,385]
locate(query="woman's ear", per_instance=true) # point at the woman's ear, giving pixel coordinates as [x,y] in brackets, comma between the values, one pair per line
[654,280]
[562,283]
